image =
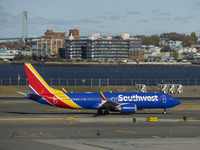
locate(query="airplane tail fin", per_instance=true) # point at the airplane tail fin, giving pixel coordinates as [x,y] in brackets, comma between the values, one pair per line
[36,82]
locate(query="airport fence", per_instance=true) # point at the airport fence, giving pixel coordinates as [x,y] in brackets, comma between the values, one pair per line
[101,82]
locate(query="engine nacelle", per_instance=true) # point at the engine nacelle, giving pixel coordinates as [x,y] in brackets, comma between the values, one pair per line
[128,108]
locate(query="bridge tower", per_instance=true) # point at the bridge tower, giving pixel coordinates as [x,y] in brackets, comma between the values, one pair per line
[25,26]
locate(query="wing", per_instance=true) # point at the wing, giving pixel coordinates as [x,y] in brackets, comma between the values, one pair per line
[105,104]
[113,106]
[110,105]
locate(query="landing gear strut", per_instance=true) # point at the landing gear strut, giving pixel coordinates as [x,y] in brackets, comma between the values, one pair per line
[165,111]
[101,112]
[106,112]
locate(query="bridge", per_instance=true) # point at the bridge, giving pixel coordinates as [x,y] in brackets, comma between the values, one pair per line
[21,38]
[24,37]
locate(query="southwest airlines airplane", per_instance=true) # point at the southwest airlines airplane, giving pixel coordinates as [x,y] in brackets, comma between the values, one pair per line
[104,102]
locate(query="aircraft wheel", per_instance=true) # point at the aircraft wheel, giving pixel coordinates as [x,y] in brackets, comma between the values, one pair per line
[106,112]
[99,111]
[165,112]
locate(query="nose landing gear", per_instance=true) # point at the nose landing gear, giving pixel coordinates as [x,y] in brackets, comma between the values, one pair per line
[165,111]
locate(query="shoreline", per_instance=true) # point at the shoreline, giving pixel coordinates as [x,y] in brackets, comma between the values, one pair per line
[129,64]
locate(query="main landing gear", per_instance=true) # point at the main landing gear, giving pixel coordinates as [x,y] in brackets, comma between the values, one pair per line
[101,112]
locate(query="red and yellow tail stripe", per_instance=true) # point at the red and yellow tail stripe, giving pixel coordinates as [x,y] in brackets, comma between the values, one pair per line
[53,96]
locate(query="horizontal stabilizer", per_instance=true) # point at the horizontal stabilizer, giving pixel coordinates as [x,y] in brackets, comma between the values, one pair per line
[24,94]
[34,97]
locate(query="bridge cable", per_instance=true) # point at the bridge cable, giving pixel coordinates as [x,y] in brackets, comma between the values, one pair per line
[53,21]
[11,18]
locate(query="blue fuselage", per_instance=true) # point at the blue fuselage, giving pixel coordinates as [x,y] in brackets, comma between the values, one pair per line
[141,100]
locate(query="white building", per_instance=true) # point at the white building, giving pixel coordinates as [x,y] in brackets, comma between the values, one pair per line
[174,44]
[150,50]
[95,35]
[187,50]
[125,36]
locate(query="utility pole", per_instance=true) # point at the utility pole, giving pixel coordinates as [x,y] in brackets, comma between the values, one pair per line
[25,26]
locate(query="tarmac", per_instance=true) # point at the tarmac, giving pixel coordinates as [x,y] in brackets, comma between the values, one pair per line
[25,124]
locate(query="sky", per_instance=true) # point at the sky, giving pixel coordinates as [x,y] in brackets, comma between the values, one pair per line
[107,17]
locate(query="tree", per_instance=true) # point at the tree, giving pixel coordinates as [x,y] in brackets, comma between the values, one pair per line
[190,40]
[18,44]
[175,54]
[187,40]
[149,40]
[155,40]
[118,37]
[21,57]
[173,36]
[194,38]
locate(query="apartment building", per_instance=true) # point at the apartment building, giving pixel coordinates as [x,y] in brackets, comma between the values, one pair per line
[99,49]
[52,41]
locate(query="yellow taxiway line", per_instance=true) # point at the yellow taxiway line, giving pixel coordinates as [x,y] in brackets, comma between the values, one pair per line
[124,131]
[73,118]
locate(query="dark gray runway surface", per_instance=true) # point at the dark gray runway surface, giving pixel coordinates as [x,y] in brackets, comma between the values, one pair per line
[28,125]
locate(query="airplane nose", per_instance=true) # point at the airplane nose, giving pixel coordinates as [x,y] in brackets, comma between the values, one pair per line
[178,102]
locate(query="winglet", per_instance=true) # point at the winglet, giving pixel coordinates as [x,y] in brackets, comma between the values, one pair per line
[103,97]
[64,90]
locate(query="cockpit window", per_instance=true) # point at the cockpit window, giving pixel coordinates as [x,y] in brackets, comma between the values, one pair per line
[172,98]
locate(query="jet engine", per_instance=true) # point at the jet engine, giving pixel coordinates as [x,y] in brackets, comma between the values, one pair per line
[128,108]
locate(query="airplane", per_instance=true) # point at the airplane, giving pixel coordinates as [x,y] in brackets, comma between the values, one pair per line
[123,102]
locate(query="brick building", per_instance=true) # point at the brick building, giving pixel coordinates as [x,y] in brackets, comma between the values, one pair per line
[136,55]
[52,41]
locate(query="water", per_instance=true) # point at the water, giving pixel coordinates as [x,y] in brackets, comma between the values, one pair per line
[83,72]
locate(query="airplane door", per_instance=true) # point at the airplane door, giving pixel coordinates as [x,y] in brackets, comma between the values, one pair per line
[164,99]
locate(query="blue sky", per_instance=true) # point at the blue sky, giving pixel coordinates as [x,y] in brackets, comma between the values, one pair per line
[106,17]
